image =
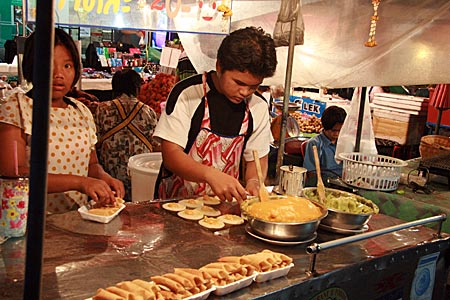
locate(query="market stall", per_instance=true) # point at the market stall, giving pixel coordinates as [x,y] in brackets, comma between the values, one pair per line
[64,279]
[145,240]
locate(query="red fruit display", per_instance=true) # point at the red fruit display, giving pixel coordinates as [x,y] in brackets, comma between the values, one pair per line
[156,91]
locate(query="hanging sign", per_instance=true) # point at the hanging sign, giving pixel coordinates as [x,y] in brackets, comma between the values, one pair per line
[309,106]
[198,16]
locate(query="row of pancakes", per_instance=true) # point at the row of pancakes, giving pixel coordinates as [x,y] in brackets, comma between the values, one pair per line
[201,209]
[186,282]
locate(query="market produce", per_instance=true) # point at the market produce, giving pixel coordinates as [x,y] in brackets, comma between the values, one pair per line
[308,123]
[346,203]
[156,91]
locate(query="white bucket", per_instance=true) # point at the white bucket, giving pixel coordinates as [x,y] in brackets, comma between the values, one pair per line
[143,170]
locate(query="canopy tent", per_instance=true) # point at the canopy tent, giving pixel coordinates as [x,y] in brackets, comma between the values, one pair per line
[412,36]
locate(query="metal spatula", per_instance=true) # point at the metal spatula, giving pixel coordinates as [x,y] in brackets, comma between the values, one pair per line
[263,193]
[320,186]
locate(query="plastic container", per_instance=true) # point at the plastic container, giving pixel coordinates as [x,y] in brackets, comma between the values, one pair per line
[143,170]
[371,171]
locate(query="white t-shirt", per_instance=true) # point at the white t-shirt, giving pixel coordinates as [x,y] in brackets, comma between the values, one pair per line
[175,127]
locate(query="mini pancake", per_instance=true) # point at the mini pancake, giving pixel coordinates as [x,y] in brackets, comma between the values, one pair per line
[191,203]
[210,200]
[107,210]
[119,201]
[231,219]
[209,211]
[190,214]
[103,211]
[211,223]
[174,206]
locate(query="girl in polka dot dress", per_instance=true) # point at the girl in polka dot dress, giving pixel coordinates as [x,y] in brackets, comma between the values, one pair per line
[74,173]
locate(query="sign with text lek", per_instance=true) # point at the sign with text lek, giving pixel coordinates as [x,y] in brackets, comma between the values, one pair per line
[309,106]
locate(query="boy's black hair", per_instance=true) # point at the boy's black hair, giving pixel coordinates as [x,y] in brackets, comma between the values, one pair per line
[250,50]
[333,115]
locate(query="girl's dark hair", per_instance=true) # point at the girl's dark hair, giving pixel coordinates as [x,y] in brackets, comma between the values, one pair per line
[127,82]
[250,50]
[61,38]
[333,115]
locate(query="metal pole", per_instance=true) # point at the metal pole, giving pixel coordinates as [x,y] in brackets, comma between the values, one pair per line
[362,105]
[287,92]
[42,78]
[24,15]
[438,122]
[315,248]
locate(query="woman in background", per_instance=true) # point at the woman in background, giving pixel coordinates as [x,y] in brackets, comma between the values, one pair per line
[125,127]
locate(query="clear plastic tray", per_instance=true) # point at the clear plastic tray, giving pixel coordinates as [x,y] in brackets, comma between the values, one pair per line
[269,275]
[97,218]
[234,286]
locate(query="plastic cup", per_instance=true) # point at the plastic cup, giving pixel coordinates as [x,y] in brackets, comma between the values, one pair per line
[14,206]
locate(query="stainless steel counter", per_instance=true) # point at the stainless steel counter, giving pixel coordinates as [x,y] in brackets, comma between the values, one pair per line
[145,240]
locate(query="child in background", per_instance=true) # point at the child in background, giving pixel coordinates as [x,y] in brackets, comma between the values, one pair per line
[74,173]
[332,120]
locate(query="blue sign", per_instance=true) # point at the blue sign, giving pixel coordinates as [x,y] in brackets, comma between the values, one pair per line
[309,106]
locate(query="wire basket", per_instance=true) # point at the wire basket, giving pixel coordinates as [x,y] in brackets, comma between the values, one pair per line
[434,145]
[371,171]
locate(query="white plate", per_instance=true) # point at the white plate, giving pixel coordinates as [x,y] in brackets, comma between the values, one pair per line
[234,286]
[84,212]
[202,295]
[249,230]
[269,275]
[342,230]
